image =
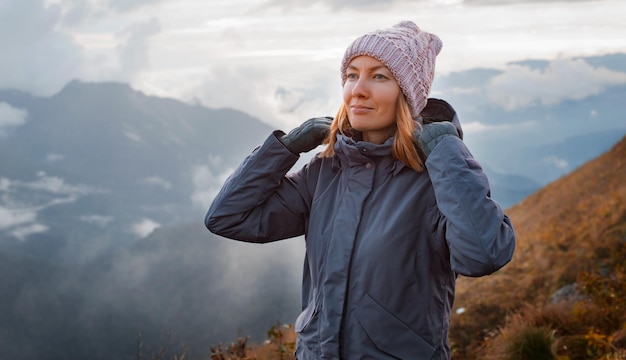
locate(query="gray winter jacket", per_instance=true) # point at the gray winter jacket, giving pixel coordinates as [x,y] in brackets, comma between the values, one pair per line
[384,243]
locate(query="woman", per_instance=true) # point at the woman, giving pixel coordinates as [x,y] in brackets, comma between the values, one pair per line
[392,210]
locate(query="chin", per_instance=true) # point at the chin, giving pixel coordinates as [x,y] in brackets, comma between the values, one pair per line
[359,126]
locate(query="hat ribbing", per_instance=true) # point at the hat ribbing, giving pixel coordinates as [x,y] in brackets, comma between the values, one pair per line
[408,52]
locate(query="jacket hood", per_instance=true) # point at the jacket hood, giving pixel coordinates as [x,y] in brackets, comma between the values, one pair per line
[439,110]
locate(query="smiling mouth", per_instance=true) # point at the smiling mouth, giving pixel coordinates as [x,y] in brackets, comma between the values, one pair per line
[356,109]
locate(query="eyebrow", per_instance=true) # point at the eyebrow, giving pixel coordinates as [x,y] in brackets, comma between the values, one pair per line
[374,68]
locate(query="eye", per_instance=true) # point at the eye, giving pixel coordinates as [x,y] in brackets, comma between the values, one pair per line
[352,76]
[379,76]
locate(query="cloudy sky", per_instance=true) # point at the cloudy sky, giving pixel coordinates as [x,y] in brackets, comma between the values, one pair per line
[275,59]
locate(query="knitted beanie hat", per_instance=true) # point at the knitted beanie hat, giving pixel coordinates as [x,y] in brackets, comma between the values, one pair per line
[408,52]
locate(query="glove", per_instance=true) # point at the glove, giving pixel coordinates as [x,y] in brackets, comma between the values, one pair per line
[431,134]
[307,136]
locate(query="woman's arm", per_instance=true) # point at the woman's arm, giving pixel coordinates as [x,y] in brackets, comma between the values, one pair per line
[480,236]
[258,202]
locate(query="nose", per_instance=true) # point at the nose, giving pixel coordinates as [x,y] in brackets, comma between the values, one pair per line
[359,88]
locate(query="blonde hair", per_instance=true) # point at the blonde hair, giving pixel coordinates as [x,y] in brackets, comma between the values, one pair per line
[405,148]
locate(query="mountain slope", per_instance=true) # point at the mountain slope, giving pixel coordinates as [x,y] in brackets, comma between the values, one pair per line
[99,165]
[561,231]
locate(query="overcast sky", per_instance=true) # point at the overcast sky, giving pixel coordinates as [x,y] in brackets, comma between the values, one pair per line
[275,59]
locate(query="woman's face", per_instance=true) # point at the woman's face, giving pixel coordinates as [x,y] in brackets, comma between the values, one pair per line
[370,94]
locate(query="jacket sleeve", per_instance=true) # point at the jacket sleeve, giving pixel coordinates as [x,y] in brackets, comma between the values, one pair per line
[480,236]
[259,202]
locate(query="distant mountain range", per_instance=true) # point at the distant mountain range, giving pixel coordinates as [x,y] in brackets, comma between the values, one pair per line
[94,185]
[99,165]
[564,123]
[102,195]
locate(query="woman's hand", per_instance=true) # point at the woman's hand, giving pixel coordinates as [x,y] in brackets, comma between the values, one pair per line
[431,134]
[307,136]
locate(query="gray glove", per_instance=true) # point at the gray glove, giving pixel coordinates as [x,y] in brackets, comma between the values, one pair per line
[307,136]
[431,134]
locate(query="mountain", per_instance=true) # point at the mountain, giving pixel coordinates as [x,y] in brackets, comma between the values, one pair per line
[571,226]
[100,165]
[509,189]
[99,189]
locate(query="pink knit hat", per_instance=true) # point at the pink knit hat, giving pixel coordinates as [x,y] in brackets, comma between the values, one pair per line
[408,52]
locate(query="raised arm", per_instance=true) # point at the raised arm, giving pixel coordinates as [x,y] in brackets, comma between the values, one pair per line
[480,236]
[261,203]
[258,202]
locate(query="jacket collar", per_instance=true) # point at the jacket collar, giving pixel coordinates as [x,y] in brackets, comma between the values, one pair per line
[356,153]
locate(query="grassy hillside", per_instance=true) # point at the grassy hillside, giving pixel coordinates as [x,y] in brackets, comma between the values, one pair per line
[569,260]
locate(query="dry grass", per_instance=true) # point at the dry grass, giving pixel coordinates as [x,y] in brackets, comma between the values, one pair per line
[569,228]
[280,345]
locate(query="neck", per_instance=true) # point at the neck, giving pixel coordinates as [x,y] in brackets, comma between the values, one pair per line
[376,137]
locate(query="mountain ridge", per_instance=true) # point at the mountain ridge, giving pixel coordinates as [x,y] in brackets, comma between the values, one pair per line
[108,153]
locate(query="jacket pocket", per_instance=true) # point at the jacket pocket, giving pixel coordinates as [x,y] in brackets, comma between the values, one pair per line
[391,335]
[307,314]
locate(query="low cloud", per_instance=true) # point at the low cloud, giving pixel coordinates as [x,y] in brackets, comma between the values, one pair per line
[475,127]
[556,162]
[563,79]
[56,185]
[207,183]
[52,157]
[11,217]
[21,233]
[133,136]
[5,184]
[21,202]
[10,117]
[144,227]
[97,220]
[158,182]
[244,88]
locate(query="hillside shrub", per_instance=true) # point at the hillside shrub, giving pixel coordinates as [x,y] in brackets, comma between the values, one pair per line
[592,327]
[527,334]
[469,330]
[280,345]
[234,351]
[530,343]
